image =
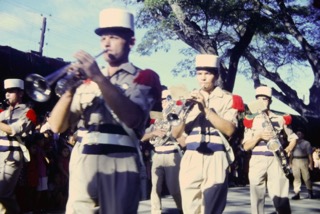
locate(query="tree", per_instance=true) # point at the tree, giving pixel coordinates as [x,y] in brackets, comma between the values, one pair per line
[256,37]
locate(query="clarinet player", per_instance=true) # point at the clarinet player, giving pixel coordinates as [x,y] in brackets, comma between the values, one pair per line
[264,168]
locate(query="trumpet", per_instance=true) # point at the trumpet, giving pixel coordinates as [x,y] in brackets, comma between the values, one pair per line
[180,111]
[39,88]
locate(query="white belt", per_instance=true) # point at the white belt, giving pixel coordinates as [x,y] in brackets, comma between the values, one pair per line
[104,138]
[165,148]
[9,143]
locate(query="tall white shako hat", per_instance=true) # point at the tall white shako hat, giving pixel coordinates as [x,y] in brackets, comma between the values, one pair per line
[207,60]
[13,83]
[115,18]
[264,91]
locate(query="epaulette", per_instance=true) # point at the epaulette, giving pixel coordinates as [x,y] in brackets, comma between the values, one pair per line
[152,121]
[287,118]
[248,120]
[31,115]
[238,103]
[150,78]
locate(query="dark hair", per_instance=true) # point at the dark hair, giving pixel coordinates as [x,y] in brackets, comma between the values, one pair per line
[124,33]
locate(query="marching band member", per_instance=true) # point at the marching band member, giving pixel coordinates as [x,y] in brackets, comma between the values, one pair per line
[108,109]
[16,122]
[204,166]
[165,160]
[264,167]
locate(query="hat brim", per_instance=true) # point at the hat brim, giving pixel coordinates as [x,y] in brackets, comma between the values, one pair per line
[13,88]
[101,31]
[262,95]
[213,70]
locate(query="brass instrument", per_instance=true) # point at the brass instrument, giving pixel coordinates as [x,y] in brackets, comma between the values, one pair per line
[173,113]
[165,126]
[180,111]
[39,88]
[273,144]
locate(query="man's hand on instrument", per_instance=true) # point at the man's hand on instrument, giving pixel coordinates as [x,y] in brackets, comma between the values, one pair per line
[88,65]
[158,133]
[199,99]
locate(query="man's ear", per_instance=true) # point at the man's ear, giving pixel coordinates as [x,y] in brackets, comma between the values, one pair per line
[132,42]
[21,93]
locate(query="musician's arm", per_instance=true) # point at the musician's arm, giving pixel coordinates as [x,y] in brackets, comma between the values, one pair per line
[178,130]
[250,143]
[60,113]
[182,141]
[5,128]
[225,126]
[290,147]
[152,133]
[292,139]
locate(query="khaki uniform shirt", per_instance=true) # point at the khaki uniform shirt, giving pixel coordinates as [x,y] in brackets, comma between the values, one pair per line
[258,123]
[199,129]
[21,120]
[92,115]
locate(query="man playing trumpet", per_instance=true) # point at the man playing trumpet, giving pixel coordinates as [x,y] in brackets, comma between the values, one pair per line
[204,166]
[110,112]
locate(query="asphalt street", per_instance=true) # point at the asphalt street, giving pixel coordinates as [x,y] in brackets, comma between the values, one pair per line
[238,202]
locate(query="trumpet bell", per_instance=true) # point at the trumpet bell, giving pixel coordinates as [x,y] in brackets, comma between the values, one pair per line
[37,88]
[173,119]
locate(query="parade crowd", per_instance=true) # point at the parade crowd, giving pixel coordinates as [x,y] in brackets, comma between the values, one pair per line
[102,149]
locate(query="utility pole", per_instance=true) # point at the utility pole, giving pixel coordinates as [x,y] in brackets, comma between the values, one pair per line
[43,31]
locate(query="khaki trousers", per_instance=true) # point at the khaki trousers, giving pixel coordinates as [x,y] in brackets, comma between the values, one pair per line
[105,184]
[11,163]
[300,167]
[203,182]
[165,168]
[265,171]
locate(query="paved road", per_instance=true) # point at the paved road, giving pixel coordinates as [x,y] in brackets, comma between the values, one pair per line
[238,202]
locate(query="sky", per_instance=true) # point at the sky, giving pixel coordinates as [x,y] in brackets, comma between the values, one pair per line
[70,27]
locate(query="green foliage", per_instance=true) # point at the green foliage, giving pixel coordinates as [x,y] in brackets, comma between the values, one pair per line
[268,35]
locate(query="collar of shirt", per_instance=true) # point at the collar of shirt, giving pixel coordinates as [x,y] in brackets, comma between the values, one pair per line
[128,67]
[17,106]
[217,92]
[271,114]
